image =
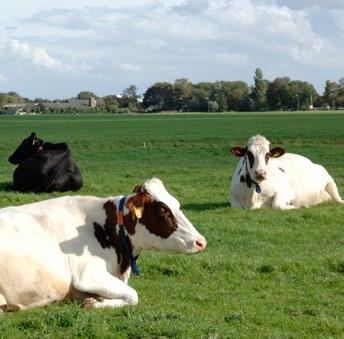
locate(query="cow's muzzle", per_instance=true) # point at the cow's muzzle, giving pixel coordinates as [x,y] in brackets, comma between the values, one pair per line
[200,244]
[260,175]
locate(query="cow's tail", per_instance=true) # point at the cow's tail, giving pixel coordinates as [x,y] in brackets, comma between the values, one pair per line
[332,190]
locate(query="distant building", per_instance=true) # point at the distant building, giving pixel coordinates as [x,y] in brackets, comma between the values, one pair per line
[13,109]
[77,104]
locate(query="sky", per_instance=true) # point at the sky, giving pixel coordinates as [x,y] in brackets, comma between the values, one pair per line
[57,48]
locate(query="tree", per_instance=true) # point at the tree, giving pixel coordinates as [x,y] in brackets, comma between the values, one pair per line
[86,95]
[282,93]
[237,95]
[200,101]
[278,94]
[159,97]
[2,100]
[182,94]
[218,96]
[130,99]
[331,92]
[341,82]
[259,91]
[13,98]
[340,100]
[300,93]
[111,103]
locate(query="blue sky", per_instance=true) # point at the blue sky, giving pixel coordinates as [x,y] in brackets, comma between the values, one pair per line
[55,49]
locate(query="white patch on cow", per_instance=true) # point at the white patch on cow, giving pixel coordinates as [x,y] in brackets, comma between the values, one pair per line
[158,191]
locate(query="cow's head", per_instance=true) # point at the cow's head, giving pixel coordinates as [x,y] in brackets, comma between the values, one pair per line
[161,224]
[258,154]
[28,147]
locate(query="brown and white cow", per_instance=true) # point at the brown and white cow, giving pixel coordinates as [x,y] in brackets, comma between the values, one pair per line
[71,248]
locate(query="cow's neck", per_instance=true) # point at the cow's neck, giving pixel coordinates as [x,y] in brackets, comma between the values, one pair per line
[108,235]
[245,177]
[125,238]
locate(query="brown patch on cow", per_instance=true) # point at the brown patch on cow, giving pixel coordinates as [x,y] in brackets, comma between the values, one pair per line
[9,308]
[108,236]
[267,157]
[277,152]
[250,158]
[137,189]
[238,151]
[156,216]
[159,219]
[136,205]
[247,180]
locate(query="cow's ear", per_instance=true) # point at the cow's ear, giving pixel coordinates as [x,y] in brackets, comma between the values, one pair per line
[137,189]
[277,152]
[33,137]
[137,202]
[238,151]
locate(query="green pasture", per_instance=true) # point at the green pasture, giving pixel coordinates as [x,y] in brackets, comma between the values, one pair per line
[265,273]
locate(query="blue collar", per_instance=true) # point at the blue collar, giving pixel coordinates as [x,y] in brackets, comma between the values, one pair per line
[125,239]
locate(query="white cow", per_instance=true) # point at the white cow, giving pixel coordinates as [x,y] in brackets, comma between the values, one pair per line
[72,247]
[271,177]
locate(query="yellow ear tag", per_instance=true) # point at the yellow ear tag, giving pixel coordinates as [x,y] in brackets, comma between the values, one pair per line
[276,155]
[138,212]
[33,142]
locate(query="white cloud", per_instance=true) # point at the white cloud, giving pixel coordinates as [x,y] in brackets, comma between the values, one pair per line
[40,57]
[153,44]
[233,59]
[129,67]
[324,4]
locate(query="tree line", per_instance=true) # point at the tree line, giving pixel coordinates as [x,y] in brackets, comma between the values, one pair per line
[183,96]
[280,94]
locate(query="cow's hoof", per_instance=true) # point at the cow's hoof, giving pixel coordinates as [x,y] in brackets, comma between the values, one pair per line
[89,302]
[9,308]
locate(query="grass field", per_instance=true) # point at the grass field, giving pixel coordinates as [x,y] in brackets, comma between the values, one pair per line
[265,273]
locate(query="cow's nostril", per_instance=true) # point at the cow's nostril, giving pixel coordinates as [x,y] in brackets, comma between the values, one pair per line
[260,173]
[200,243]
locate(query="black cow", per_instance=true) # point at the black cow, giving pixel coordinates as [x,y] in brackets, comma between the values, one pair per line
[44,167]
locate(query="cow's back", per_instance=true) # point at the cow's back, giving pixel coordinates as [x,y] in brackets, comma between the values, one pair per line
[307,179]
[51,170]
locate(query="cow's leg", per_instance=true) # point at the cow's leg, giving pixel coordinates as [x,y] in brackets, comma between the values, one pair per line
[332,190]
[99,303]
[235,204]
[5,307]
[280,202]
[115,293]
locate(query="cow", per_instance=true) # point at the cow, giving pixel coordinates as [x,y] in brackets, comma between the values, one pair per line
[44,167]
[84,248]
[272,177]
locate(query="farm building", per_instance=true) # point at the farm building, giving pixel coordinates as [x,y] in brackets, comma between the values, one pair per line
[13,109]
[78,104]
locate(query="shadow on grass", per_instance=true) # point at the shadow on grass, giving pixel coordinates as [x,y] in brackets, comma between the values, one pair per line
[6,186]
[206,206]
